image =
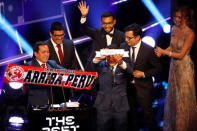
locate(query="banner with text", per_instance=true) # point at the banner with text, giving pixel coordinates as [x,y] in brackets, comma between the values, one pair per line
[49,76]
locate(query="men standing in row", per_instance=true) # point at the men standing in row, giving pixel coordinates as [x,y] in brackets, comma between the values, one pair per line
[104,36]
[145,65]
[62,51]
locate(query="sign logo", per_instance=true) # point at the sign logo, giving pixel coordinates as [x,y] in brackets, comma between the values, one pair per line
[15,73]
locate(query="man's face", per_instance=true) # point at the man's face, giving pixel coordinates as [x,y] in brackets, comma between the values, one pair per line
[111,60]
[42,54]
[131,39]
[57,36]
[108,23]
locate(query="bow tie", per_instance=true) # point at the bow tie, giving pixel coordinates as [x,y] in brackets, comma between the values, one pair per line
[110,34]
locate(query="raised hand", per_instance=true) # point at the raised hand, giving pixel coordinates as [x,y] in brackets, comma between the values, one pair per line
[158,51]
[101,58]
[118,58]
[83,8]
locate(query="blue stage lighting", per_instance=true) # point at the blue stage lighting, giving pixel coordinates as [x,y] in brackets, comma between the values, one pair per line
[118,2]
[167,28]
[149,40]
[155,12]
[68,1]
[161,124]
[165,84]
[12,33]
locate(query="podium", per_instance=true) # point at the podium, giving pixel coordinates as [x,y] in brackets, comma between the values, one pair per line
[72,119]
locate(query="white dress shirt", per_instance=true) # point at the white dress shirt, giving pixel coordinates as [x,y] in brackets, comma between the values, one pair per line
[41,63]
[137,47]
[56,49]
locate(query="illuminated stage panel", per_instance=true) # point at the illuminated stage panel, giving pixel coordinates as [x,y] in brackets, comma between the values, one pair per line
[72,120]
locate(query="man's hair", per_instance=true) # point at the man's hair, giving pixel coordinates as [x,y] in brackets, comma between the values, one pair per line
[37,44]
[137,29]
[107,14]
[56,26]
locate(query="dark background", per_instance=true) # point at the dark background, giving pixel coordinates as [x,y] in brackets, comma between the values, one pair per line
[32,19]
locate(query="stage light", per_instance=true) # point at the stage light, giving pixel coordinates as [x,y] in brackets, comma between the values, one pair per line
[68,1]
[155,24]
[161,124]
[149,40]
[118,2]
[81,40]
[14,59]
[165,85]
[167,28]
[16,121]
[16,85]
[11,32]
[155,12]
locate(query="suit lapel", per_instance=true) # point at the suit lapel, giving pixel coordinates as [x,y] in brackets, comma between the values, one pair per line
[35,63]
[53,53]
[103,39]
[139,55]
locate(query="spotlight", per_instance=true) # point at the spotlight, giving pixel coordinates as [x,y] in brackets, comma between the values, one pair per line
[161,124]
[155,12]
[118,2]
[16,121]
[16,85]
[149,40]
[166,28]
[165,84]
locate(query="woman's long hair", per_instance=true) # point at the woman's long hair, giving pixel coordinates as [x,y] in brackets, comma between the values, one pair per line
[187,14]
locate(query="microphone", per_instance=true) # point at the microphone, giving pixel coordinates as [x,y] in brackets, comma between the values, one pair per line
[49,78]
[60,78]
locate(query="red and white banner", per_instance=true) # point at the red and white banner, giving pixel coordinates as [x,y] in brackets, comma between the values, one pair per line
[49,76]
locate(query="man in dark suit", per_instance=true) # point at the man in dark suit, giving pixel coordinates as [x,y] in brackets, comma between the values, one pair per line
[104,36]
[111,102]
[146,65]
[62,51]
[38,95]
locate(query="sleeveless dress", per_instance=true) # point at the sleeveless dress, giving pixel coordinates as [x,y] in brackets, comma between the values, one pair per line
[180,103]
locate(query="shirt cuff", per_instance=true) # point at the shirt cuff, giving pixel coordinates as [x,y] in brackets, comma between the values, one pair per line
[123,65]
[143,75]
[96,61]
[83,20]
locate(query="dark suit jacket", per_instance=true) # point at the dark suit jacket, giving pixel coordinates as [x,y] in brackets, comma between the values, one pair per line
[112,95]
[69,54]
[98,35]
[147,62]
[40,95]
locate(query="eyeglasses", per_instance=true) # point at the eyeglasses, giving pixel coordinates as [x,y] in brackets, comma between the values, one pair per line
[109,23]
[61,35]
[179,17]
[129,38]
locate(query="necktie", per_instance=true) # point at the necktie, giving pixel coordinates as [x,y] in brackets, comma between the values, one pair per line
[112,75]
[133,56]
[111,68]
[43,65]
[60,53]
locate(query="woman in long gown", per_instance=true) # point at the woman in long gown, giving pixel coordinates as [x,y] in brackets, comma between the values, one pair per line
[180,102]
